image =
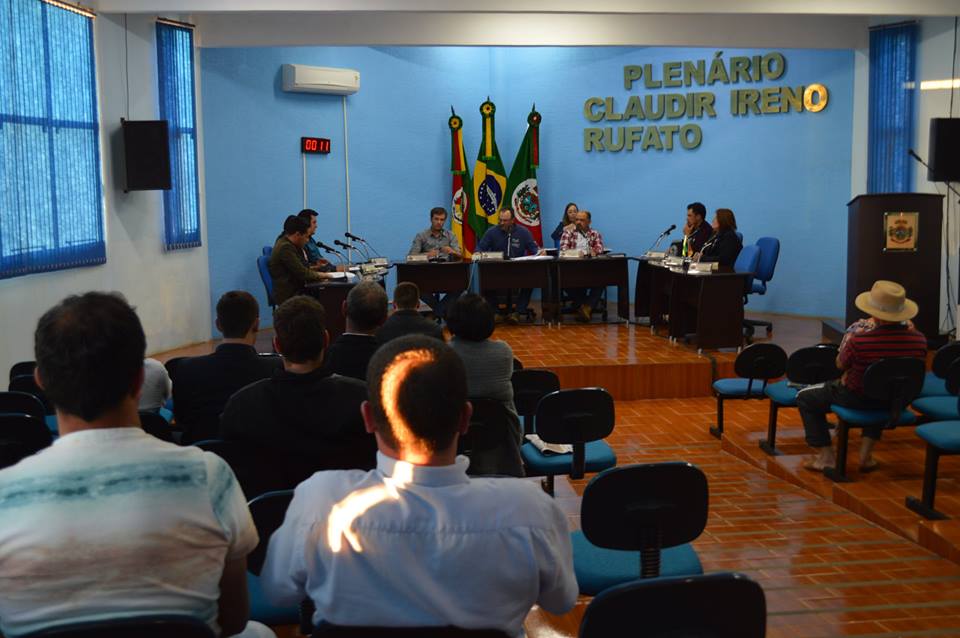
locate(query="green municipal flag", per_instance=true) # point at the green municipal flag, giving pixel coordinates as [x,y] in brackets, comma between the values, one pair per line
[523,195]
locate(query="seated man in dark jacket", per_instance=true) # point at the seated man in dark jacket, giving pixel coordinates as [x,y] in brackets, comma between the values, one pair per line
[365,310]
[202,385]
[406,320]
[305,414]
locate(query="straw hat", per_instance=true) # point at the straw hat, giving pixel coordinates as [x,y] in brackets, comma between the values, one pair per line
[887,300]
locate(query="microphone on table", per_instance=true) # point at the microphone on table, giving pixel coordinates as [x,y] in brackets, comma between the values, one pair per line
[354,237]
[329,249]
[656,244]
[343,245]
[363,245]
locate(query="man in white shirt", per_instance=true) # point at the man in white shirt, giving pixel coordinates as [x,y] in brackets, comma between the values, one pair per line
[110,522]
[417,542]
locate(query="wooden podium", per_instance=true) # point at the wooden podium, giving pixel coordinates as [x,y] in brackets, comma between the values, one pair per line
[870,256]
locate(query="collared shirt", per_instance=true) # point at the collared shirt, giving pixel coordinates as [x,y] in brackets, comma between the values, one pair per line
[421,546]
[572,239]
[425,241]
[521,242]
[114,522]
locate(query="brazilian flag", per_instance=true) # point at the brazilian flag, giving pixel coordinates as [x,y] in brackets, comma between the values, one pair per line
[489,177]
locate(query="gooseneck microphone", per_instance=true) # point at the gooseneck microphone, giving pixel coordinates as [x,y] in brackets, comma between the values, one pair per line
[355,238]
[343,245]
[672,228]
[656,244]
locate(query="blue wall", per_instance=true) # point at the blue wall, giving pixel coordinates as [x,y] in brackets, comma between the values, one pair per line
[786,175]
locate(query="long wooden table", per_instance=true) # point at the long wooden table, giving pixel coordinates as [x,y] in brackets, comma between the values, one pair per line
[596,272]
[432,277]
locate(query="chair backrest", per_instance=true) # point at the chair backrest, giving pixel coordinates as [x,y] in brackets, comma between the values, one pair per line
[326,630]
[944,358]
[21,403]
[760,362]
[258,470]
[171,366]
[28,434]
[155,425]
[488,426]
[262,265]
[739,236]
[267,511]
[517,364]
[721,605]
[747,261]
[769,254]
[646,508]
[22,367]
[953,378]
[575,417]
[267,251]
[814,364]
[26,383]
[529,386]
[160,626]
[897,380]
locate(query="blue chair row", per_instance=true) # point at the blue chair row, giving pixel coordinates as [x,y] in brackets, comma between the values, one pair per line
[755,366]
[263,262]
[942,438]
[766,265]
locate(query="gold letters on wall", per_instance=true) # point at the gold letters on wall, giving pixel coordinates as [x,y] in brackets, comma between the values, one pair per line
[668,110]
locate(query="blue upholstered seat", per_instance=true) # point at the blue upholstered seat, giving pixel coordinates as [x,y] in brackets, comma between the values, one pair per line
[852,416]
[738,387]
[263,611]
[938,408]
[943,435]
[51,421]
[782,394]
[597,568]
[599,456]
[934,386]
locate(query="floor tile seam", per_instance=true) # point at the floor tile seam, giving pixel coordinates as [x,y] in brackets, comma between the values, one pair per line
[932,604]
[899,541]
[847,563]
[809,515]
[865,583]
[867,525]
[946,631]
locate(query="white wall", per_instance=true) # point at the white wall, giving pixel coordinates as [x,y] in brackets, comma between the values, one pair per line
[170,290]
[934,63]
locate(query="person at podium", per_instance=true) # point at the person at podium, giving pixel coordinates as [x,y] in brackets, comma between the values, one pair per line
[696,231]
[588,241]
[513,241]
[724,245]
[437,243]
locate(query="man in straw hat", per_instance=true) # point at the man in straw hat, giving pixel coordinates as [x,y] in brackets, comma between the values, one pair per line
[887,333]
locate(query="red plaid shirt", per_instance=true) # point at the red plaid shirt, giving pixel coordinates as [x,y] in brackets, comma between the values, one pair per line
[569,240]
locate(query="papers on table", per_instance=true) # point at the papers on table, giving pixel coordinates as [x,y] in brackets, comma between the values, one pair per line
[531,258]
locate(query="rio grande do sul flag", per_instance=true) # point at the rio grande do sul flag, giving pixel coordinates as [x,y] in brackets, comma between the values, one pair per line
[489,177]
[523,196]
[461,204]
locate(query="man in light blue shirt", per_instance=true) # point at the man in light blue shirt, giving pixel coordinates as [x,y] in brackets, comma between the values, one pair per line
[417,542]
[513,241]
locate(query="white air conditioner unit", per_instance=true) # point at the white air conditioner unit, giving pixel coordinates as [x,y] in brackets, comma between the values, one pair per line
[299,78]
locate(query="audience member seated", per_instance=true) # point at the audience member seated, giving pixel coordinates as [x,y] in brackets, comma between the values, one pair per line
[416,542]
[202,385]
[156,386]
[110,521]
[489,366]
[724,245]
[406,319]
[303,415]
[887,333]
[365,310]
[590,242]
[288,264]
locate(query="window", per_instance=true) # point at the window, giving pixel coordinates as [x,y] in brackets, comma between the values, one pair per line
[181,204]
[893,56]
[51,202]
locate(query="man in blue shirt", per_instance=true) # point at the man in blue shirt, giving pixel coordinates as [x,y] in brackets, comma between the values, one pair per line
[312,252]
[513,241]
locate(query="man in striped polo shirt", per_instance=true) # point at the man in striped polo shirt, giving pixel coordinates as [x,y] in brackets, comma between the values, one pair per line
[887,333]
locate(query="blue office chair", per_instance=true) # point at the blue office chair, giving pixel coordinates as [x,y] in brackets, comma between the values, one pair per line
[155,626]
[747,262]
[935,382]
[725,605]
[26,383]
[262,263]
[769,253]
[22,367]
[895,381]
[267,511]
[267,251]
[20,436]
[755,366]
[581,417]
[806,366]
[942,439]
[529,386]
[638,522]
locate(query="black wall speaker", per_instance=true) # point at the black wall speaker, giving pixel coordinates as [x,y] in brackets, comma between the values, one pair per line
[146,152]
[944,150]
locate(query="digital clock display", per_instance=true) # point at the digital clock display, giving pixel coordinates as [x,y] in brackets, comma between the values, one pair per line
[314,145]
